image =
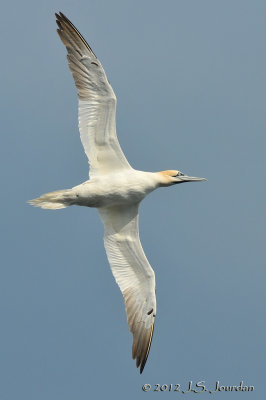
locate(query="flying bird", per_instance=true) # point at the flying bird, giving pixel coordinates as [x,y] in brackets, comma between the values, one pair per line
[114,188]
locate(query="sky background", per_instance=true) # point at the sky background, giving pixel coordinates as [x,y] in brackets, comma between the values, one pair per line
[190,81]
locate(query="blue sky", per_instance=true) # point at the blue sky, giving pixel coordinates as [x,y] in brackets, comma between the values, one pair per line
[190,81]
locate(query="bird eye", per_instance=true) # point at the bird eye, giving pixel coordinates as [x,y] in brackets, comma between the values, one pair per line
[180,174]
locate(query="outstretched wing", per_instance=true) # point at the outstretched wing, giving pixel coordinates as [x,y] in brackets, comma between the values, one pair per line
[133,274]
[97,103]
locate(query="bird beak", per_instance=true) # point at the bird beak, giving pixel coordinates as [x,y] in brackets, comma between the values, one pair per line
[186,178]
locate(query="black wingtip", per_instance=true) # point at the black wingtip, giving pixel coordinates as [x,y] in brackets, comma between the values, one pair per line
[62,19]
[59,24]
[61,16]
[57,16]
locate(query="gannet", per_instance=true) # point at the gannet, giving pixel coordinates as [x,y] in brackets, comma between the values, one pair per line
[114,188]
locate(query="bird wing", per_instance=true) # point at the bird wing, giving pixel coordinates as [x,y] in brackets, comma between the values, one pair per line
[97,103]
[133,273]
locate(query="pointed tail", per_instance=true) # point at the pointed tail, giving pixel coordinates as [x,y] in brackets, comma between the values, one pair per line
[53,200]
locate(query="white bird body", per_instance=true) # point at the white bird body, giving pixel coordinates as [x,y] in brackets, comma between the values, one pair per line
[114,188]
[118,188]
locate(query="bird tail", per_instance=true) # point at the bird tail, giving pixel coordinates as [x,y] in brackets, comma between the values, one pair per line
[53,200]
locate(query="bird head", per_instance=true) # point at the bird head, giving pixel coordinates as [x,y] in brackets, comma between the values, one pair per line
[172,177]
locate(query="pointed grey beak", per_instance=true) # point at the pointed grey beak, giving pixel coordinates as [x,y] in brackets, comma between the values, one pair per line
[186,178]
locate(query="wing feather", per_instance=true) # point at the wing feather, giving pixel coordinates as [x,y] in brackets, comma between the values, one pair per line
[97,102]
[133,274]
